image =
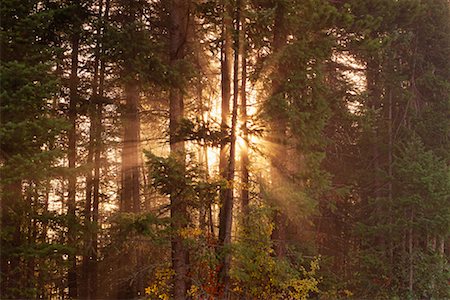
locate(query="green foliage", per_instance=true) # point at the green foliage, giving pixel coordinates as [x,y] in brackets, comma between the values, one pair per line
[199,131]
[28,134]
[359,174]
[171,177]
[288,198]
[421,185]
[259,274]
[147,224]
[422,182]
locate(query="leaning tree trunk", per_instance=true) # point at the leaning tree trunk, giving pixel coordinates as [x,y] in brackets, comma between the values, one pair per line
[179,17]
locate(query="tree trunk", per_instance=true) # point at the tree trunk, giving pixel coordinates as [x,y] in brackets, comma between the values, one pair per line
[373,87]
[87,286]
[226,210]
[97,164]
[11,195]
[226,59]
[411,254]
[179,17]
[96,199]
[203,160]
[390,175]
[278,128]
[130,151]
[72,272]
[244,151]
[129,261]
[130,201]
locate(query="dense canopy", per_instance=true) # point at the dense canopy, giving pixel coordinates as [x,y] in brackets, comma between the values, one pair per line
[225,149]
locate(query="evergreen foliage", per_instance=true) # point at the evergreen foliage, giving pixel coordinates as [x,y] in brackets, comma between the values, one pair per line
[235,149]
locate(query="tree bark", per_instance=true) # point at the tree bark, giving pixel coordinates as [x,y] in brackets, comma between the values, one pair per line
[278,128]
[97,163]
[390,175]
[11,272]
[245,199]
[226,65]
[130,196]
[179,17]
[226,210]
[130,201]
[373,83]
[411,254]
[226,60]
[72,156]
[88,286]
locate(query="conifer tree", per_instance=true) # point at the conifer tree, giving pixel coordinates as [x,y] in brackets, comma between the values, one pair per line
[29,127]
[179,20]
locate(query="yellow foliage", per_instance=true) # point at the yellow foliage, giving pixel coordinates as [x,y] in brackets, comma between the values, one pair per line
[300,288]
[273,285]
[193,291]
[160,288]
[190,232]
[347,293]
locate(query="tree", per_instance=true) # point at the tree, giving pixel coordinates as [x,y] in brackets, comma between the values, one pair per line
[328,120]
[29,129]
[89,284]
[180,20]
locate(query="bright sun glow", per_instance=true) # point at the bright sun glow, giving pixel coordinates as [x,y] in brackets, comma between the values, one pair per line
[214,115]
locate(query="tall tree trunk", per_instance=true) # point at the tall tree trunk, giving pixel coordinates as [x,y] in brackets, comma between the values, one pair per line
[72,272]
[245,199]
[373,87]
[226,211]
[278,128]
[86,287]
[206,222]
[96,199]
[411,254]
[374,81]
[129,262]
[179,17]
[11,272]
[390,175]
[226,59]
[130,152]
[86,272]
[97,164]
[226,65]
[203,160]
[90,263]
[130,201]
[33,203]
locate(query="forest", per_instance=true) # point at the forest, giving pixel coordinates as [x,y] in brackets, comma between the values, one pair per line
[225,149]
